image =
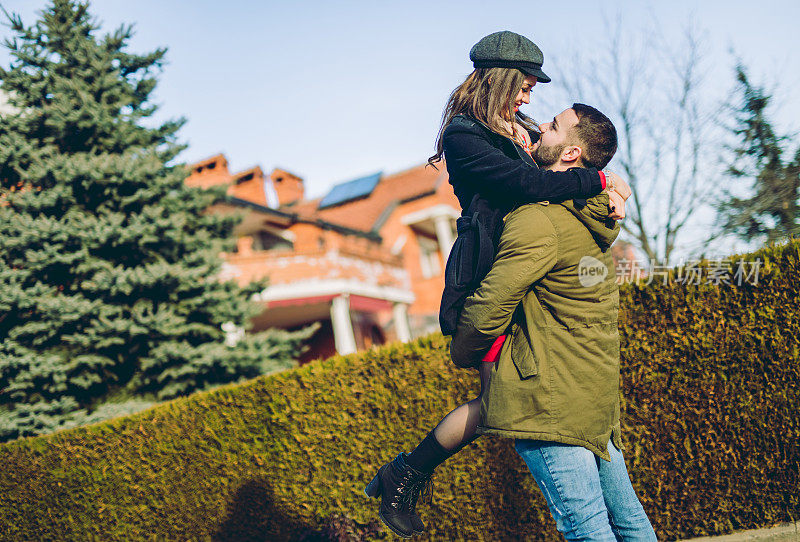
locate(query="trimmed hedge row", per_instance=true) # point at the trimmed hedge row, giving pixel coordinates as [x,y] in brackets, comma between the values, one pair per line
[711,384]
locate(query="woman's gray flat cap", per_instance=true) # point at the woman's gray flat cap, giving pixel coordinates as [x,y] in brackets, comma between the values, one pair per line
[508,49]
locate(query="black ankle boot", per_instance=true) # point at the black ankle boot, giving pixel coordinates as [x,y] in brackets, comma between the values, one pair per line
[422,488]
[399,487]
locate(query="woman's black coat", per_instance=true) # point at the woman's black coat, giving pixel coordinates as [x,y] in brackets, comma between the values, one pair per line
[491,174]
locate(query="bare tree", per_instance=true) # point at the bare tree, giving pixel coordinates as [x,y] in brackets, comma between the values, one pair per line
[655,92]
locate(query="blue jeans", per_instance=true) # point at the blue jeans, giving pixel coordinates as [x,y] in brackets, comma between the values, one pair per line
[590,498]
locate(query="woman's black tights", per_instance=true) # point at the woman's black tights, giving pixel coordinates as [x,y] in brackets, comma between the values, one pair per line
[455,431]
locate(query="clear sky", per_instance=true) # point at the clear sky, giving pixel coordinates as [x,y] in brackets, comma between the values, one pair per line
[334,90]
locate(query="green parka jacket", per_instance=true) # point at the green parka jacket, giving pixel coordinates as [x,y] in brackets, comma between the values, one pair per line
[553,283]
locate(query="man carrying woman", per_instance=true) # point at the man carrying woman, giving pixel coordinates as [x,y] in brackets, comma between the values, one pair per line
[488,145]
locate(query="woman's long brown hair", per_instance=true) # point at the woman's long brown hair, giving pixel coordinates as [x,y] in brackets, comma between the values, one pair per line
[492,104]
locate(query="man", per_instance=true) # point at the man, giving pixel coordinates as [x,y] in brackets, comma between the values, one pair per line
[555,386]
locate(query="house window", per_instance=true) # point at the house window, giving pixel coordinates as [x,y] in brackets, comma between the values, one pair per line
[267,241]
[429,257]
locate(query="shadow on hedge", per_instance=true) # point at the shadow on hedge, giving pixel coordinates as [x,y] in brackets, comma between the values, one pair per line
[255,513]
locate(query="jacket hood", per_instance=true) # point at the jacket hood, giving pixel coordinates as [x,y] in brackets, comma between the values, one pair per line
[593,213]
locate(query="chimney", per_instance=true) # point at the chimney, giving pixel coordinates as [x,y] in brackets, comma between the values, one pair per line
[288,187]
[209,172]
[249,185]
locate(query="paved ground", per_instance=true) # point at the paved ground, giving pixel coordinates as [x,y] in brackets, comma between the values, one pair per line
[782,533]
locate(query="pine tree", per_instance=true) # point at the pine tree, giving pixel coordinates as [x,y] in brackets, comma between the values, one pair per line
[772,211]
[108,262]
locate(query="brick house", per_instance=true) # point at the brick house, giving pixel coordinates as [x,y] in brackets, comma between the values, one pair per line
[366,260]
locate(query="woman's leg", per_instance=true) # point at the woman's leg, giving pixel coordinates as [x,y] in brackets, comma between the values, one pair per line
[400,483]
[456,430]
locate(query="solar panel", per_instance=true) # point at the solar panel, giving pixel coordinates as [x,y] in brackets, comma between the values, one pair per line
[357,188]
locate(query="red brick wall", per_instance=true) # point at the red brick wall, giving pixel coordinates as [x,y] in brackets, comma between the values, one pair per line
[427,291]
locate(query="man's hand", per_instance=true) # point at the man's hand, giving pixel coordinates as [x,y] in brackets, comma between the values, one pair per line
[618,191]
[616,206]
[617,184]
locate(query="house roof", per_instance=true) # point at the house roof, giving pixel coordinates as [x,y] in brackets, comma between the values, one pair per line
[364,213]
[359,206]
[291,218]
[351,190]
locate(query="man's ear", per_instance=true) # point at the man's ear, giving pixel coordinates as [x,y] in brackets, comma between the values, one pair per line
[571,154]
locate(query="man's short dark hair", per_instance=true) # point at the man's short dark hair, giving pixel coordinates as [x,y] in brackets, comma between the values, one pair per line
[598,135]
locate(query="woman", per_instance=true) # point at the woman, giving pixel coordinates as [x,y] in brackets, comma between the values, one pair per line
[487,143]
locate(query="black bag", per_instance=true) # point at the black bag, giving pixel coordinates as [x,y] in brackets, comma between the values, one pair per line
[470,259]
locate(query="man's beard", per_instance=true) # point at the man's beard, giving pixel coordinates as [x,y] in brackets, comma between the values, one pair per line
[547,156]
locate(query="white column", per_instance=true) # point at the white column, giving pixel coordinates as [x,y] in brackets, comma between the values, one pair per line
[233,333]
[342,325]
[400,315]
[444,234]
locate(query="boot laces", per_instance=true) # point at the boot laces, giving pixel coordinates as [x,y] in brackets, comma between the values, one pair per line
[422,489]
[404,495]
[411,488]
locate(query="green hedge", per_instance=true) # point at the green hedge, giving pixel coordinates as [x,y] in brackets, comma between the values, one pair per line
[711,396]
